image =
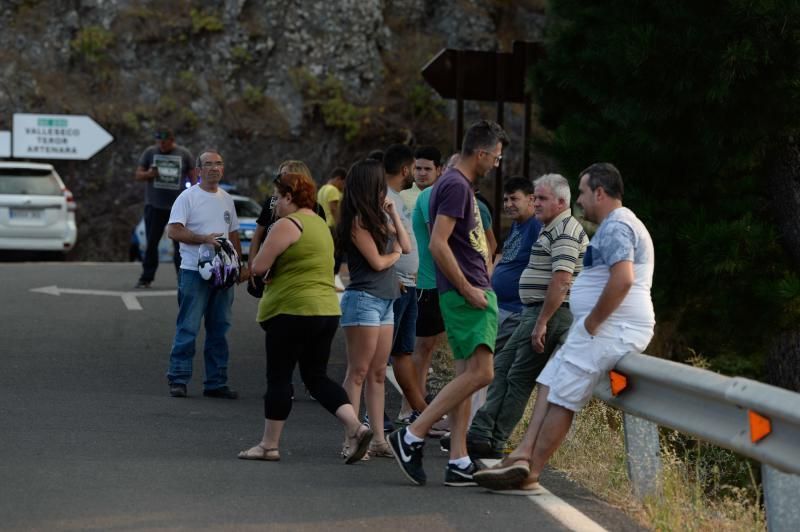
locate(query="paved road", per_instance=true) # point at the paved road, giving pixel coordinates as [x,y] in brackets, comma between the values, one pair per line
[91,440]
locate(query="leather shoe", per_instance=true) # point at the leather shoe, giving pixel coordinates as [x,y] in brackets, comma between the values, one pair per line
[221,393]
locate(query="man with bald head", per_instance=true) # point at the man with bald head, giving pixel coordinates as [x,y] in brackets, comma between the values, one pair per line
[203,214]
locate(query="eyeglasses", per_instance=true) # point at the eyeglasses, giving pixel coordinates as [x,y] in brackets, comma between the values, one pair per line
[213,164]
[162,136]
[497,158]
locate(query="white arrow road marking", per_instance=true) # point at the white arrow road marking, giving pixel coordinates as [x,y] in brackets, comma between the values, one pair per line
[130,299]
[567,515]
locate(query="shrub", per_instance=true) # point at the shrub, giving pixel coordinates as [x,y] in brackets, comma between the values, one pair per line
[91,43]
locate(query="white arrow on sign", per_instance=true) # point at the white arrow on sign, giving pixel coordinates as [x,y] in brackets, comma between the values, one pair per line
[57,136]
[128,298]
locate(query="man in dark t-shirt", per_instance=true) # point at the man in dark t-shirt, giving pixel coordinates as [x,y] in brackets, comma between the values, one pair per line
[166,168]
[469,306]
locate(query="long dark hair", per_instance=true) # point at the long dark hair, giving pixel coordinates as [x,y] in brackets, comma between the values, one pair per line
[364,192]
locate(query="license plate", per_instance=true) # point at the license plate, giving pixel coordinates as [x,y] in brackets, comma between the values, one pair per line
[25,214]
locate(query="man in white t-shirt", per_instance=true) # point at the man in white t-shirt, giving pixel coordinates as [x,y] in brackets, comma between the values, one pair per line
[201,215]
[614,316]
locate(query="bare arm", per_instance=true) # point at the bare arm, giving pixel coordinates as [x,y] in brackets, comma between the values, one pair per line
[255,244]
[282,235]
[334,207]
[556,291]
[617,287]
[179,232]
[244,271]
[402,235]
[366,246]
[443,256]
[491,242]
[145,174]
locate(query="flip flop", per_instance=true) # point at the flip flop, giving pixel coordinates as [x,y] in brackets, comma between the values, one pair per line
[362,445]
[503,476]
[532,489]
[265,455]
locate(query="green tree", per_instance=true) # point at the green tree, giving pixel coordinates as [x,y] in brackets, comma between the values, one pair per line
[688,99]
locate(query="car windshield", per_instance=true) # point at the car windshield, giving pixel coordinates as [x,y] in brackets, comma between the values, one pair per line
[28,182]
[247,208]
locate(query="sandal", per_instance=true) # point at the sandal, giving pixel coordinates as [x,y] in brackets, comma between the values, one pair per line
[507,474]
[381,449]
[525,490]
[359,450]
[259,452]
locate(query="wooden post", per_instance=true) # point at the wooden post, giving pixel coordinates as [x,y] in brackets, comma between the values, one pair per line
[526,136]
[459,100]
[498,172]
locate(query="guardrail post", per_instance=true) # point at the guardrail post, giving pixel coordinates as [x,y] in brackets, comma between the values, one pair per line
[781,499]
[643,454]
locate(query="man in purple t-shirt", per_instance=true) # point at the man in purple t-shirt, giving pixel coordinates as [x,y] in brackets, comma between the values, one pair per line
[468,304]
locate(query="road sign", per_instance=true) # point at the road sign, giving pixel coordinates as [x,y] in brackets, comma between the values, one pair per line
[57,136]
[487,76]
[5,144]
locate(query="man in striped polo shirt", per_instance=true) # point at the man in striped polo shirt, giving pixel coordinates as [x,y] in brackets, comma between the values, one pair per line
[555,260]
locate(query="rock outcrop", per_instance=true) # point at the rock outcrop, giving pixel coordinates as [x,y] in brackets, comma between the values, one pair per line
[261,80]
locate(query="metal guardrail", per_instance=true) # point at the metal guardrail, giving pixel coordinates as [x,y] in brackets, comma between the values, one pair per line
[748,417]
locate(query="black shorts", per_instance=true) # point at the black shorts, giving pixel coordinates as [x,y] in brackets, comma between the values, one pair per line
[429,315]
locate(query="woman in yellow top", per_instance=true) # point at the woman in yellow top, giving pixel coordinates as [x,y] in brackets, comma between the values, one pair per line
[300,313]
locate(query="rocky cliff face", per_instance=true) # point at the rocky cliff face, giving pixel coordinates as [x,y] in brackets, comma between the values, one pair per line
[261,80]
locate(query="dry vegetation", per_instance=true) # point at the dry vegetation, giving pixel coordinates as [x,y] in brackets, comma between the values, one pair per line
[695,495]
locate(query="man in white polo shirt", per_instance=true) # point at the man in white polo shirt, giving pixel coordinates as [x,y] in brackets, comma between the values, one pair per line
[614,316]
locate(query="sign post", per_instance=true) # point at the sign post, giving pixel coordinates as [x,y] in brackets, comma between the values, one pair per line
[5,144]
[487,76]
[75,137]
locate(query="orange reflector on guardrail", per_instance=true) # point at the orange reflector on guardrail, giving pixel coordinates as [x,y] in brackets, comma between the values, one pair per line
[618,382]
[760,426]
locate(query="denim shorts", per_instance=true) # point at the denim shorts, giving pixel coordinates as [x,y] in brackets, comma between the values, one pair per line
[405,323]
[365,310]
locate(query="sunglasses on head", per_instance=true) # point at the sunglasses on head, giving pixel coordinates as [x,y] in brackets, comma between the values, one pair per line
[279,184]
[160,135]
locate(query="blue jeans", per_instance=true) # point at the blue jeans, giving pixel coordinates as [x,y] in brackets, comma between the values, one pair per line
[198,299]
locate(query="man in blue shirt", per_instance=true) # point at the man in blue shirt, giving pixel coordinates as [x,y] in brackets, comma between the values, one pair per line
[518,205]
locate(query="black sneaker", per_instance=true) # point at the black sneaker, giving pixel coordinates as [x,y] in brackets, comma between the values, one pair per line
[408,457]
[143,284]
[458,477]
[221,393]
[478,448]
[177,390]
[444,443]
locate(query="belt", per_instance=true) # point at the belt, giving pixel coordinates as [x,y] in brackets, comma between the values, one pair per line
[565,304]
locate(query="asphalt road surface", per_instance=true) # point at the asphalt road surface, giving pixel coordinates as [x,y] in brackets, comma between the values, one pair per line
[91,440]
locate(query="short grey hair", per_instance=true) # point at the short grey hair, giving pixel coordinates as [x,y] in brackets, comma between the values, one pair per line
[557,183]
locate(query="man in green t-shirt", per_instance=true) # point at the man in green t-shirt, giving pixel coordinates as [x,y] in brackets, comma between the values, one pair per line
[329,197]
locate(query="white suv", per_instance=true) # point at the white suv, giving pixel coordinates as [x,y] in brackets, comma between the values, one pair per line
[37,212]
